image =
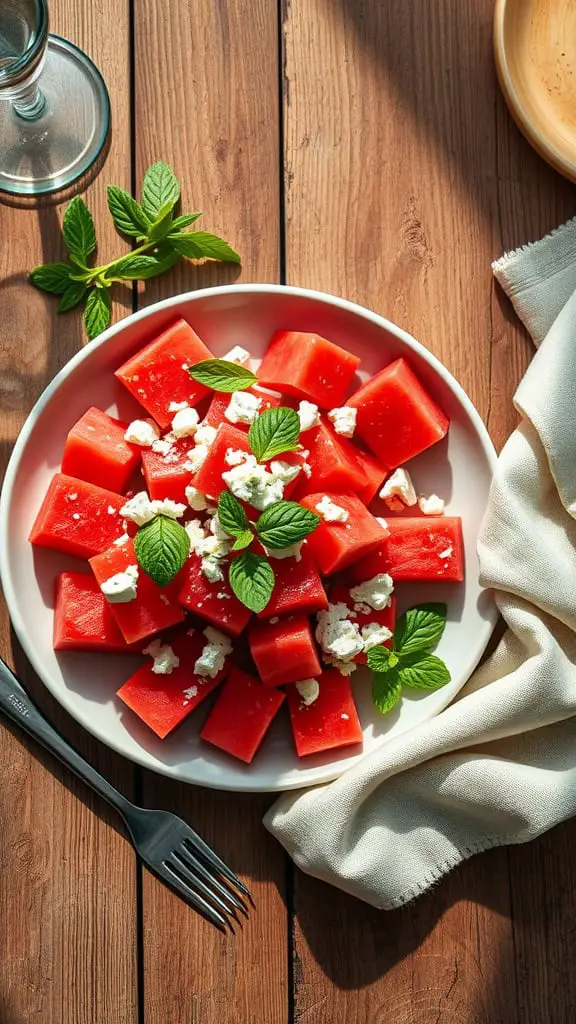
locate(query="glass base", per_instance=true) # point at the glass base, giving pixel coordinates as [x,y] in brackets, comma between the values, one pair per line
[50,151]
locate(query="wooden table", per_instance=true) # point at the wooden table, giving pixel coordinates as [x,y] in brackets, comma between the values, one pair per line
[356,146]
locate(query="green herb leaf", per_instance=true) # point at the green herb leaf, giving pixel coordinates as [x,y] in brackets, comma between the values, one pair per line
[160,187]
[378,658]
[127,214]
[252,580]
[51,277]
[162,226]
[243,540]
[139,268]
[419,630]
[201,245]
[73,295]
[184,221]
[285,523]
[162,546]
[220,375]
[386,690]
[274,431]
[97,312]
[427,673]
[78,229]
[231,515]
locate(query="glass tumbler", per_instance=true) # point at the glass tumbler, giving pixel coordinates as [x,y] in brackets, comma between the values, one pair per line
[54,105]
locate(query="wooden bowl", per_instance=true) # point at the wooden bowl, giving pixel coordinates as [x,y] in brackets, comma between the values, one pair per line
[535,51]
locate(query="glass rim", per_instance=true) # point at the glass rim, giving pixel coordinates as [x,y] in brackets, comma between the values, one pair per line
[26,62]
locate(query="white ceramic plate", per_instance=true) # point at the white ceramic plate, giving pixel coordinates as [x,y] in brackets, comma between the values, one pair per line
[459,469]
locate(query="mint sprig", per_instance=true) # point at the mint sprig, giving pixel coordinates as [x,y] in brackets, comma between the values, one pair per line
[410,661]
[285,523]
[160,244]
[220,375]
[274,431]
[162,547]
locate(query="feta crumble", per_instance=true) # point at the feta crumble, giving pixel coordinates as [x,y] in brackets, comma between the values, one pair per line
[75,515]
[195,498]
[195,531]
[167,507]
[237,355]
[243,407]
[163,446]
[122,587]
[111,510]
[345,668]
[72,497]
[337,635]
[284,471]
[177,406]
[375,592]
[292,551]
[142,432]
[398,490]
[252,483]
[141,510]
[447,553]
[331,512]
[309,691]
[343,420]
[309,416]
[214,653]
[120,541]
[196,458]
[205,434]
[374,634]
[163,656]
[431,506]
[382,522]
[185,423]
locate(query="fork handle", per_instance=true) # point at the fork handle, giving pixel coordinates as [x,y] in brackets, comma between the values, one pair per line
[19,708]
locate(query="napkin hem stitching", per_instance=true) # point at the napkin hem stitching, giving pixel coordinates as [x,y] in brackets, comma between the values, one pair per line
[503,262]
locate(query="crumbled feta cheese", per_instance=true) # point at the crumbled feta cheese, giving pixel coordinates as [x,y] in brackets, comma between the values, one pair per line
[177,406]
[196,458]
[163,656]
[253,483]
[284,471]
[447,553]
[72,497]
[331,512]
[292,551]
[307,469]
[243,407]
[190,692]
[185,366]
[195,531]
[345,717]
[237,355]
[120,541]
[167,507]
[212,570]
[399,489]
[223,596]
[212,549]
[185,423]
[344,420]
[205,434]
[431,506]
[309,691]
[382,522]
[214,654]
[195,498]
[141,510]
[375,592]
[142,432]
[309,416]
[111,510]
[163,446]
[374,634]
[217,530]
[235,457]
[337,634]
[75,515]
[122,587]
[274,620]
[345,668]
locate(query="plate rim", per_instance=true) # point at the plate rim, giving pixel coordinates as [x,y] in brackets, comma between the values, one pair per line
[491,614]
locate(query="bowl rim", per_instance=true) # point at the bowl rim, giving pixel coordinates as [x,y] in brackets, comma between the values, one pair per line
[491,614]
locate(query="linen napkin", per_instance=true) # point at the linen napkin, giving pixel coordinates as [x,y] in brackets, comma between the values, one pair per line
[499,765]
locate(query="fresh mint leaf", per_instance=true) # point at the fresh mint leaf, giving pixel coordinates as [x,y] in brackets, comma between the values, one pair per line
[78,229]
[139,267]
[285,523]
[386,690]
[220,375]
[427,673]
[274,431]
[243,540]
[97,312]
[231,515]
[73,295]
[201,245]
[162,226]
[419,630]
[184,221]
[378,659]
[127,214]
[252,580]
[51,277]
[162,547]
[160,187]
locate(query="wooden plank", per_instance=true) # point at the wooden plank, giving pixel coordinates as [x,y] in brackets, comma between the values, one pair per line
[67,885]
[208,104]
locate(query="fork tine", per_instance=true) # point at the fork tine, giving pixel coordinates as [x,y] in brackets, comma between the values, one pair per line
[191,877]
[202,848]
[194,863]
[192,898]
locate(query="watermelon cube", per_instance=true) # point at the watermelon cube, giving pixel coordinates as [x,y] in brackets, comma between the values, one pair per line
[430,548]
[96,451]
[308,366]
[397,418]
[82,617]
[242,715]
[298,588]
[154,608]
[283,651]
[208,479]
[165,475]
[164,701]
[333,461]
[158,374]
[217,410]
[375,474]
[334,545]
[330,721]
[214,602]
[366,616]
[77,517]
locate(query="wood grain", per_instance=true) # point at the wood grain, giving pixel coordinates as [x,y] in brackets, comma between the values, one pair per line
[209,104]
[67,877]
